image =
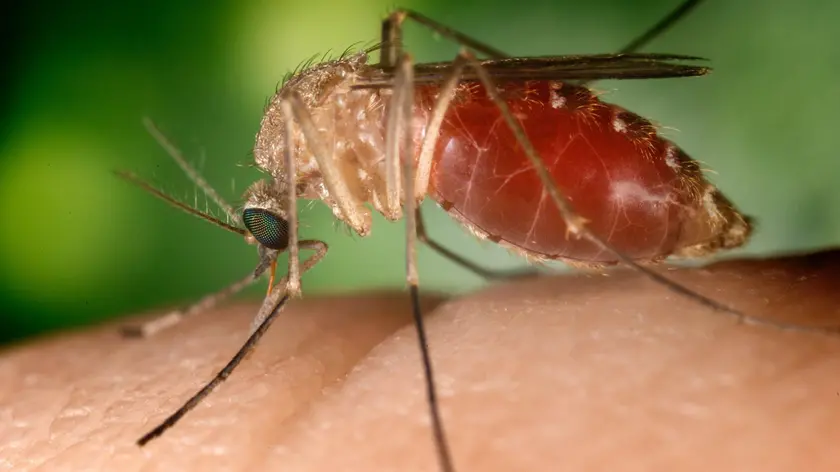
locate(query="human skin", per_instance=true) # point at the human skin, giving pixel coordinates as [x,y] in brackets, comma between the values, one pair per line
[572,373]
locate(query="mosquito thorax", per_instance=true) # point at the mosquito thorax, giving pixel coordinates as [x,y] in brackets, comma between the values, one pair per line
[318,86]
[351,127]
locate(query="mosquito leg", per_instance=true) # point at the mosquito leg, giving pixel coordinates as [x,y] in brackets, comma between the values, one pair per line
[152,327]
[357,216]
[392,33]
[401,114]
[391,39]
[220,377]
[576,224]
[656,30]
[396,131]
[272,305]
[392,36]
[402,105]
[293,287]
[193,174]
[427,148]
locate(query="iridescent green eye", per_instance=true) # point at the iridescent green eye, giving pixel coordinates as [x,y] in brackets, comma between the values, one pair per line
[267,228]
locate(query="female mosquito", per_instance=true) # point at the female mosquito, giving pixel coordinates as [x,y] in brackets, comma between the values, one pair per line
[518,150]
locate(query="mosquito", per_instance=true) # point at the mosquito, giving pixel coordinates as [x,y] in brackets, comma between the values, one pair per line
[517,149]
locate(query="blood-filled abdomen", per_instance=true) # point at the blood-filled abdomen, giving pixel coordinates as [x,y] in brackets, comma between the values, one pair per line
[638,191]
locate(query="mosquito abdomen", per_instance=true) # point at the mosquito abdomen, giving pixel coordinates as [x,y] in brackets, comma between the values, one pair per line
[638,191]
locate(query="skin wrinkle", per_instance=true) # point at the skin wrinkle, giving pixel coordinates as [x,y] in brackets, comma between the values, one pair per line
[584,372]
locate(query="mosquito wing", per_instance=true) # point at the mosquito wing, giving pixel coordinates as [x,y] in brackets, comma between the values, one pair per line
[581,67]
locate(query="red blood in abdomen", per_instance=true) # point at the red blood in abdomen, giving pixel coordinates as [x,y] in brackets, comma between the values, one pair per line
[615,170]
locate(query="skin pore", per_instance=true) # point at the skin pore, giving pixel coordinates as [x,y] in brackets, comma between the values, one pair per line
[579,372]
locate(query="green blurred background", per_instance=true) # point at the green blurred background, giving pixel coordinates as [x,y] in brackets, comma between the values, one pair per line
[79,245]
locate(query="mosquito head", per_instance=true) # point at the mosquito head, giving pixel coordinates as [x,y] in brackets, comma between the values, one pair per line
[264,217]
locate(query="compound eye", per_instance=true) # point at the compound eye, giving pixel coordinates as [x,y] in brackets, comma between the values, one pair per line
[267,228]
